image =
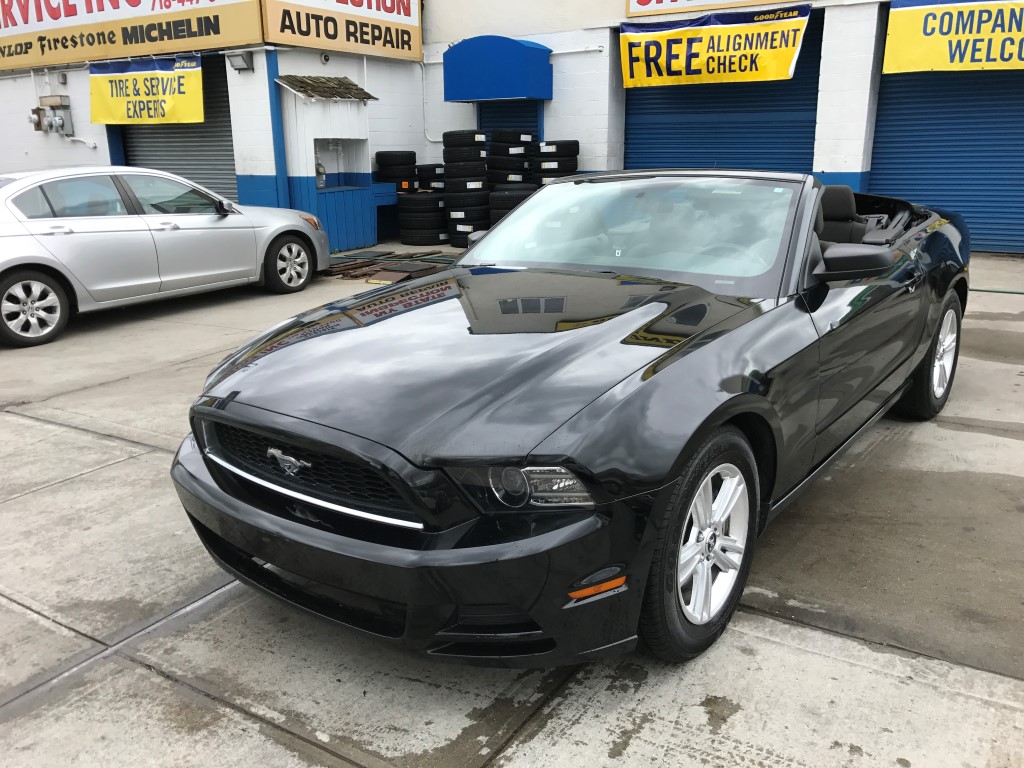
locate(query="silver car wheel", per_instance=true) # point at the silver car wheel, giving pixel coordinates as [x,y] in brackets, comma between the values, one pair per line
[30,308]
[292,264]
[712,545]
[945,352]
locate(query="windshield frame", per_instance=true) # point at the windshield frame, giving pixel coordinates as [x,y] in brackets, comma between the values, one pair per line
[766,285]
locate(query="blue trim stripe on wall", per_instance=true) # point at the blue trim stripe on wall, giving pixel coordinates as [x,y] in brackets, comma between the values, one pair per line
[277,131]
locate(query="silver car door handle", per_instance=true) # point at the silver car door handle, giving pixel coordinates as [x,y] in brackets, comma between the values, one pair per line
[60,229]
[167,226]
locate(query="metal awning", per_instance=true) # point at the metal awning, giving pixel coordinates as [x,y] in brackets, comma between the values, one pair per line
[324,88]
[490,67]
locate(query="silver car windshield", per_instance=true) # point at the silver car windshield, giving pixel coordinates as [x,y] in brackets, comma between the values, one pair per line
[727,235]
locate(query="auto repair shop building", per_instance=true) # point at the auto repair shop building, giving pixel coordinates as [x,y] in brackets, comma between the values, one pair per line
[917,98]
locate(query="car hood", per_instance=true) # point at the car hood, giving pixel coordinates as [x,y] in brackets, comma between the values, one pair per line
[478,363]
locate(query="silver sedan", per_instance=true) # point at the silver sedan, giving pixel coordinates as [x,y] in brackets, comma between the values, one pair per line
[82,239]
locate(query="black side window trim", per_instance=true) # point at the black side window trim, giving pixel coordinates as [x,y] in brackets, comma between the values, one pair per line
[140,209]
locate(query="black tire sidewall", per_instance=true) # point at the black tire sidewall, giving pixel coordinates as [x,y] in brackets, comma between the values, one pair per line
[678,639]
[271,279]
[12,339]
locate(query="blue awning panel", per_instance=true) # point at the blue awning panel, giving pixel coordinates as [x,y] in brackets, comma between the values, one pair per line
[491,67]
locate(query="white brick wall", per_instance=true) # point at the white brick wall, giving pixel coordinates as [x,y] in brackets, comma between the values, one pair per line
[396,118]
[848,88]
[250,119]
[25,148]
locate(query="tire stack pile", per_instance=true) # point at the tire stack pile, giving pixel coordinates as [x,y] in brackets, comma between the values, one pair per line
[465,185]
[398,168]
[431,176]
[554,159]
[422,219]
[508,157]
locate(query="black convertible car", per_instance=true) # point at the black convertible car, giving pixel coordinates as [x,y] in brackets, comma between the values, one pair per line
[569,441]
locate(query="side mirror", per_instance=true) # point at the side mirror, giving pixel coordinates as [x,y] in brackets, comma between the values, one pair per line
[475,237]
[853,261]
[224,207]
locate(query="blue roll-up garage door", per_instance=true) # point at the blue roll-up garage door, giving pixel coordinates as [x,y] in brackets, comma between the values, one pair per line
[759,126]
[956,140]
[511,114]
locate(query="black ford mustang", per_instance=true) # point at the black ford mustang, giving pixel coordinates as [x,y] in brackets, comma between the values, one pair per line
[570,440]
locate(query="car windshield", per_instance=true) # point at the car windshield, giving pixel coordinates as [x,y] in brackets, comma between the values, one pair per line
[727,235]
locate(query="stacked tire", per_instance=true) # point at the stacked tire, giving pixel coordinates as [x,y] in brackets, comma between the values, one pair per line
[505,197]
[422,219]
[508,156]
[465,185]
[554,159]
[398,168]
[431,176]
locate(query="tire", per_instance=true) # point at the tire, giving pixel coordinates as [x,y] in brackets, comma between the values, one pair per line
[542,165]
[412,221]
[39,308]
[396,172]
[515,187]
[462,200]
[464,170]
[562,148]
[277,276]
[508,200]
[433,237]
[667,629]
[464,154]
[508,136]
[430,172]
[421,201]
[547,176]
[463,138]
[514,164]
[469,215]
[456,186]
[520,150]
[497,214]
[505,177]
[388,159]
[920,401]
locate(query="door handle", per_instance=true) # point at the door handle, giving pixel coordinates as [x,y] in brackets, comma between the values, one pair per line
[59,229]
[167,226]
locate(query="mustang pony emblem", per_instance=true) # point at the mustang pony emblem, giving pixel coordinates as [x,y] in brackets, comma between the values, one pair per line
[291,466]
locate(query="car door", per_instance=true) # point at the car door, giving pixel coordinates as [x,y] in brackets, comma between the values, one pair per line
[868,330]
[86,224]
[195,245]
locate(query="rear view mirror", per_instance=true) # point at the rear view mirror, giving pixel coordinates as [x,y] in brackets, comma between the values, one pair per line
[853,261]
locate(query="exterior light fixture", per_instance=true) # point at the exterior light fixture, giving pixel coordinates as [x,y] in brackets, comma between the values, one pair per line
[240,61]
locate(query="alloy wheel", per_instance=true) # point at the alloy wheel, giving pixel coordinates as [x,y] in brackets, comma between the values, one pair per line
[30,308]
[945,352]
[292,264]
[711,550]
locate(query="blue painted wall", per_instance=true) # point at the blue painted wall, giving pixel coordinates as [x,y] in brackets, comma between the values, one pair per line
[858,182]
[348,214]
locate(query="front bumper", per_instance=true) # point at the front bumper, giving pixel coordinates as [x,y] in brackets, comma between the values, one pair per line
[503,604]
[323,249]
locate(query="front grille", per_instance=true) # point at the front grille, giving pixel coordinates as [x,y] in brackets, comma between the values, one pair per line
[333,478]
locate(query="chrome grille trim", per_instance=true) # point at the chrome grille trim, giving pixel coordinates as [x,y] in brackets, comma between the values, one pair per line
[311,500]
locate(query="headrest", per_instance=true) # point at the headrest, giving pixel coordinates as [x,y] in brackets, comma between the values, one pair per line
[839,204]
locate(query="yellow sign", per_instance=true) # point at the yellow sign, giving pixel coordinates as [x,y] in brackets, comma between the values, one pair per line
[954,36]
[655,7]
[143,92]
[389,28]
[717,48]
[45,33]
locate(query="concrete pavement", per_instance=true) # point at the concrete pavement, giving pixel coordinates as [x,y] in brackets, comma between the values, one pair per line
[881,625]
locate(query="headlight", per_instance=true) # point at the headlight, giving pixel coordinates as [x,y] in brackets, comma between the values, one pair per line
[313,221]
[506,489]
